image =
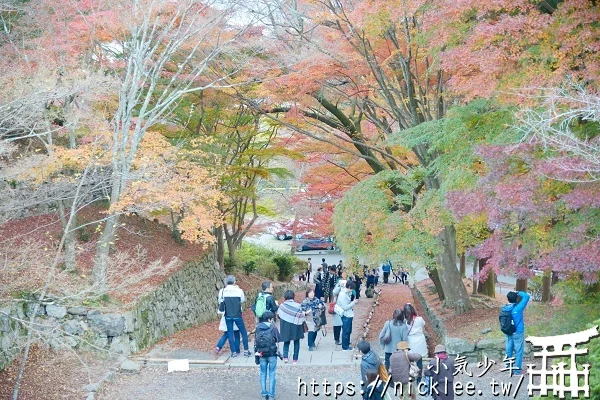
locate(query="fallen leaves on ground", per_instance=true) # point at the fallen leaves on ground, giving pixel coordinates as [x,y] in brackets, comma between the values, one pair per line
[393,296]
[52,375]
[467,326]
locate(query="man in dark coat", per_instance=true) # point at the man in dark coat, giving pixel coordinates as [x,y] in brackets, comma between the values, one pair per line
[441,370]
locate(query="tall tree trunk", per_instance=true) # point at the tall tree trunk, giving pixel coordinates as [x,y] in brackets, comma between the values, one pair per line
[435,278]
[231,244]
[103,252]
[475,271]
[70,241]
[455,293]
[220,246]
[488,287]
[117,181]
[546,283]
[521,285]
[463,265]
[175,232]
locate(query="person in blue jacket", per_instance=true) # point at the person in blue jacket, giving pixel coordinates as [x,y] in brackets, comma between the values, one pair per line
[387,269]
[516,342]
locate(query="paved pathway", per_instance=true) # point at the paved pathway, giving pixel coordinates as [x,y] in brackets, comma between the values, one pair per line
[239,378]
[327,353]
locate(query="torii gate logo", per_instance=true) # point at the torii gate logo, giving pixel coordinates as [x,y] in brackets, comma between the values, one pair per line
[554,378]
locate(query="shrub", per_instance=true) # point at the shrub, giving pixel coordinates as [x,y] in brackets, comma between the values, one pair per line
[574,291]
[249,267]
[268,263]
[269,270]
[286,264]
[230,265]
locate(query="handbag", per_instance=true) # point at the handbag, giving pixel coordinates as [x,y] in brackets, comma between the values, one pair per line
[383,374]
[221,301]
[386,334]
[304,327]
[413,369]
[331,309]
[338,310]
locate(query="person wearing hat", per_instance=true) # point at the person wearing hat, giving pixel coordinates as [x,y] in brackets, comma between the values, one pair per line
[399,370]
[441,370]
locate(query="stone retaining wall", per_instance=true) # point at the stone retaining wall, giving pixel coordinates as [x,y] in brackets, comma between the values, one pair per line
[493,349]
[187,298]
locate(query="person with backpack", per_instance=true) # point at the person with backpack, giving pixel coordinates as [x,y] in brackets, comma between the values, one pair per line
[514,328]
[441,370]
[265,353]
[264,301]
[231,298]
[316,307]
[394,331]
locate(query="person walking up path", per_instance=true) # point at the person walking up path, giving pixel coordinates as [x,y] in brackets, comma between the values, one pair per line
[416,334]
[399,369]
[264,301]
[396,331]
[225,336]
[231,298]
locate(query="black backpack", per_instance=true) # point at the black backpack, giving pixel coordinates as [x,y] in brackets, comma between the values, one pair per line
[265,342]
[506,322]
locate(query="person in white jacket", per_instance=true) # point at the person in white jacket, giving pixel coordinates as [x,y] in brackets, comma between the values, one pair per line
[347,305]
[416,335]
[336,321]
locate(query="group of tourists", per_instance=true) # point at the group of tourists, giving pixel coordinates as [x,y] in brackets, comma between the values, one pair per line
[403,341]
[402,338]
[400,275]
[296,318]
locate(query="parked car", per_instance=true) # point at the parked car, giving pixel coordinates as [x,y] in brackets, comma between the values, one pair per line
[283,235]
[315,244]
[285,230]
